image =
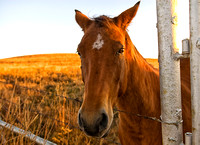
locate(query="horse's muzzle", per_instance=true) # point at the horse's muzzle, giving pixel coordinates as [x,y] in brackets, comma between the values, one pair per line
[96,127]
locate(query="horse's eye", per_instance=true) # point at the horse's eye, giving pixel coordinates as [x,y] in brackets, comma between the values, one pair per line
[120,51]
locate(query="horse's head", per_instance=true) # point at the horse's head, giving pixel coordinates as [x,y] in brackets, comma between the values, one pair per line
[103,56]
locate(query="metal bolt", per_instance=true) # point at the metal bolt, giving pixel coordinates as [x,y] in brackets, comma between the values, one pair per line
[198,43]
[178,112]
[185,46]
[174,20]
[172,139]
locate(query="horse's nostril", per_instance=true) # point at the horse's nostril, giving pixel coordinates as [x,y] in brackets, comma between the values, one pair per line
[80,121]
[103,122]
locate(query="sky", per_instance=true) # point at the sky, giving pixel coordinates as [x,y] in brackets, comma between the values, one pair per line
[29,27]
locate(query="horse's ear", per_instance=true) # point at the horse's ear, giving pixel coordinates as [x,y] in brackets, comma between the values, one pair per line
[82,20]
[125,18]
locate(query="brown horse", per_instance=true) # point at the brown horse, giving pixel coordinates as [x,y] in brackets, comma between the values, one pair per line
[114,73]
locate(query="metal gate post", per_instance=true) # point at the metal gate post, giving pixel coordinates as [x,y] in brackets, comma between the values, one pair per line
[195,68]
[170,89]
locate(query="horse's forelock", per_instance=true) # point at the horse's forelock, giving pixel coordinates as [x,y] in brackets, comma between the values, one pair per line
[103,21]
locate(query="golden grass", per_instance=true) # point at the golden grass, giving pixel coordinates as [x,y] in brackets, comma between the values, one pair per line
[50,76]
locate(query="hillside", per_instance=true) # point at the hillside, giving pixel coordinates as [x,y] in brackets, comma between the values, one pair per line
[45,63]
[49,60]
[52,59]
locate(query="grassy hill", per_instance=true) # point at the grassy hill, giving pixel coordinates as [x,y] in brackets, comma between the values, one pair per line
[32,96]
[61,63]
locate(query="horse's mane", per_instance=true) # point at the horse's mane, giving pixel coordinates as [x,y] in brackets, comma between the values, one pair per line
[103,21]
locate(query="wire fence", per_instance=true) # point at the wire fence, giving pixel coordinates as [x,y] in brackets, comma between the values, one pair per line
[37,112]
[46,115]
[27,134]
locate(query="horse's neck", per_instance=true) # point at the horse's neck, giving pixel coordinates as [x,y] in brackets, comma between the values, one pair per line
[141,97]
[142,93]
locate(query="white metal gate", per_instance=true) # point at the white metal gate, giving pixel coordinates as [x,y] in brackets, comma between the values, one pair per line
[169,65]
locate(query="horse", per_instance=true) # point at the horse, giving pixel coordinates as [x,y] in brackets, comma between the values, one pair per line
[114,73]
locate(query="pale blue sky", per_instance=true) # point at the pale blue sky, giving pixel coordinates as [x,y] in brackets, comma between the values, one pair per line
[48,26]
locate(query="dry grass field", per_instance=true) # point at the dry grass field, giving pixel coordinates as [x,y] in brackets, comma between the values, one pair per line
[32,97]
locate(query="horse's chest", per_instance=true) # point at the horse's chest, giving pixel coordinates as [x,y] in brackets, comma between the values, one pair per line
[140,131]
